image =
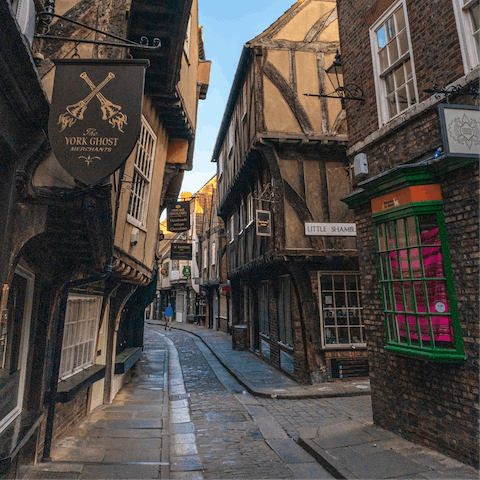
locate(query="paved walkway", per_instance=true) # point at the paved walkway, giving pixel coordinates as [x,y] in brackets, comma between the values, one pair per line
[349,447]
[261,379]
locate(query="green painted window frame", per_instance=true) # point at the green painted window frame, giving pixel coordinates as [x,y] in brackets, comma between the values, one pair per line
[424,349]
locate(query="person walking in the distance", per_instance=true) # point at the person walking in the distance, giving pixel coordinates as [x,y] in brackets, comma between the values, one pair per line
[168,317]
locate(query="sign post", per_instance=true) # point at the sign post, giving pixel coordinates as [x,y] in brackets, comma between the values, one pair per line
[95,115]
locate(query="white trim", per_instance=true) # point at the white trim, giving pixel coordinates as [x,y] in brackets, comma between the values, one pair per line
[380,90]
[77,366]
[23,271]
[465,32]
[142,176]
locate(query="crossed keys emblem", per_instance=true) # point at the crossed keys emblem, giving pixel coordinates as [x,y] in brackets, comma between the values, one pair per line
[110,111]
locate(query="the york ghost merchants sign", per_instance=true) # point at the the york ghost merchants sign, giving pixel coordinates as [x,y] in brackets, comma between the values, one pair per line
[95,115]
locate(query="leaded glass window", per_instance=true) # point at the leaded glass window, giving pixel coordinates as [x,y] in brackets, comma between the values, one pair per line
[341,308]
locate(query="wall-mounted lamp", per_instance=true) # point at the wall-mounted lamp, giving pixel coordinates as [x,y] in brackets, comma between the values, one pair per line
[343,92]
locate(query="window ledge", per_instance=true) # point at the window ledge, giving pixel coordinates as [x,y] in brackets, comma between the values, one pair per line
[126,360]
[69,388]
[14,437]
[429,355]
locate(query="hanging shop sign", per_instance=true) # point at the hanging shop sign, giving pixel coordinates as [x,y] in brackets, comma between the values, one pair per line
[264,223]
[178,216]
[95,115]
[181,251]
[331,229]
[460,130]
[187,271]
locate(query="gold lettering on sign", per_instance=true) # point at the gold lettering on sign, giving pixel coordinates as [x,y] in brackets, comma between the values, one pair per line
[390,203]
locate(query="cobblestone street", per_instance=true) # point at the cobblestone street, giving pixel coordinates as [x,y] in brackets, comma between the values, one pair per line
[184,416]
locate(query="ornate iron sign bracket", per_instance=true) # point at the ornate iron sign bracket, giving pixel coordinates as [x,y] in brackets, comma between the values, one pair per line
[46,17]
[451,91]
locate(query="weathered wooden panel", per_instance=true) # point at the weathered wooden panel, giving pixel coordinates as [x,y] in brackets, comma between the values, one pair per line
[308,82]
[313,190]
[294,230]
[299,26]
[274,103]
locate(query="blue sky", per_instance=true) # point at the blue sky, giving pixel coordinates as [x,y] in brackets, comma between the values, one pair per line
[227,26]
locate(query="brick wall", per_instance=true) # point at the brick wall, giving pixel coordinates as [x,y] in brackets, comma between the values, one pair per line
[432,404]
[436,52]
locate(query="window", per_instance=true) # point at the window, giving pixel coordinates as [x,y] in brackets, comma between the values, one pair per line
[244,100]
[205,257]
[232,227]
[80,334]
[341,308]
[241,217]
[415,278]
[220,165]
[186,45]
[214,253]
[263,304]
[250,209]
[142,176]
[467,18]
[14,338]
[231,135]
[285,333]
[394,71]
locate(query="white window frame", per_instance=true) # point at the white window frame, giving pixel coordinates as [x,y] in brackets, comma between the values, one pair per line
[231,221]
[142,176]
[23,271]
[379,76]
[250,210]
[186,44]
[347,309]
[231,135]
[241,217]
[469,48]
[244,101]
[213,254]
[80,334]
[205,257]
[220,165]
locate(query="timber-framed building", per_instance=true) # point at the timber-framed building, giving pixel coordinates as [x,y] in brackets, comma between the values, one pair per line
[281,163]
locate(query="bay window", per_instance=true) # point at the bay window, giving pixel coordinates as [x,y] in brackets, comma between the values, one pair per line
[416,283]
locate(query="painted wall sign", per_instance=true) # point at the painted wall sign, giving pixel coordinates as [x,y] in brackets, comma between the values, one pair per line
[181,251]
[178,217]
[264,224]
[331,229]
[406,196]
[460,130]
[95,115]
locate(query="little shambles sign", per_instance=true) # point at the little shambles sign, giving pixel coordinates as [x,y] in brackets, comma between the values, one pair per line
[95,115]
[178,217]
[331,229]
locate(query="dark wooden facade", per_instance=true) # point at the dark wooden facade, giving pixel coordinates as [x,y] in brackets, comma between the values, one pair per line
[283,153]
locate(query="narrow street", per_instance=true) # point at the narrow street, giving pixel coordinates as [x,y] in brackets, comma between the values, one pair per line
[182,416]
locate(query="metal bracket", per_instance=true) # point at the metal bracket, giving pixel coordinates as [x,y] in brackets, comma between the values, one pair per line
[45,18]
[451,91]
